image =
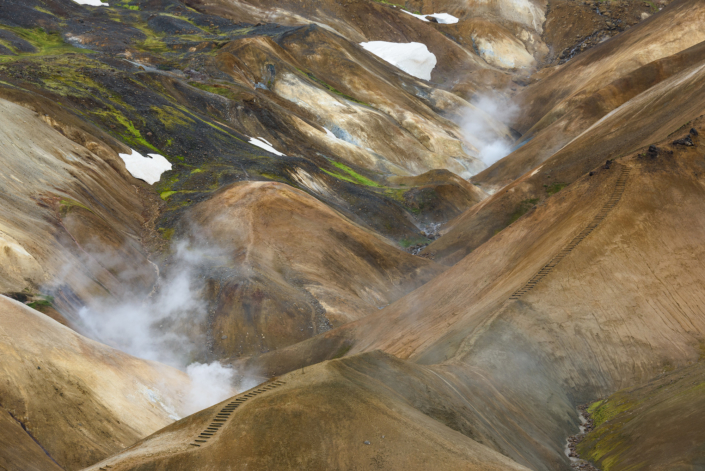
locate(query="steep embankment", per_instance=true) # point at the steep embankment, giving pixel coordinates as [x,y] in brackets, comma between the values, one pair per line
[548,141]
[197,88]
[69,401]
[579,278]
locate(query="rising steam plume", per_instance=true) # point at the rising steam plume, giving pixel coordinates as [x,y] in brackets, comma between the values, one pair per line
[479,126]
[166,327]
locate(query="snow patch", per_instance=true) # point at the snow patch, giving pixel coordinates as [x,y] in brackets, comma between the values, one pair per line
[262,143]
[93,3]
[420,17]
[149,168]
[413,58]
[442,18]
[330,134]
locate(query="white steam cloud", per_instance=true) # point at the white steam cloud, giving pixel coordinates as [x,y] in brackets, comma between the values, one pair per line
[483,127]
[212,383]
[167,327]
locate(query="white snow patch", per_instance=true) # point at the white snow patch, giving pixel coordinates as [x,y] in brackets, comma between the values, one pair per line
[413,58]
[149,168]
[536,171]
[442,18]
[330,134]
[93,3]
[420,17]
[262,143]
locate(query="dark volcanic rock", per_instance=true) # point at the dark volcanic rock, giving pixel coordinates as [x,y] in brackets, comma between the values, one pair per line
[5,51]
[23,14]
[169,25]
[686,141]
[16,42]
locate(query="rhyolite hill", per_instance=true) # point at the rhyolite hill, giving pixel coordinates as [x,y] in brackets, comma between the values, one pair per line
[403,304]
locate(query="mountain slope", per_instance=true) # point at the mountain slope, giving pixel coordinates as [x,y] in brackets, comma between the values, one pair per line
[244,181]
[618,308]
[75,398]
[651,116]
[568,101]
[345,419]
[292,267]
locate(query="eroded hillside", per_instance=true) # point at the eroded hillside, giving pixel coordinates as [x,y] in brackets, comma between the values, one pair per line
[352,234]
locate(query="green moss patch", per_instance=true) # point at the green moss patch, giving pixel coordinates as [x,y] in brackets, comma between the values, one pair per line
[65,206]
[46,43]
[555,188]
[41,301]
[351,176]
[522,209]
[406,243]
[215,89]
[603,411]
[171,117]
[167,233]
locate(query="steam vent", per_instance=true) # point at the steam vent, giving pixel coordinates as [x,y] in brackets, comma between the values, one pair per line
[352,235]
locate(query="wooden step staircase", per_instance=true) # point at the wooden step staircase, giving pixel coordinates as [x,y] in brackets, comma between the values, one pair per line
[619,187]
[221,418]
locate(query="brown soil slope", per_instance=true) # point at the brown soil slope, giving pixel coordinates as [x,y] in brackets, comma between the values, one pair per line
[20,451]
[670,31]
[620,306]
[76,399]
[644,120]
[551,139]
[576,280]
[562,105]
[338,415]
[295,267]
[383,119]
[364,20]
[70,216]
